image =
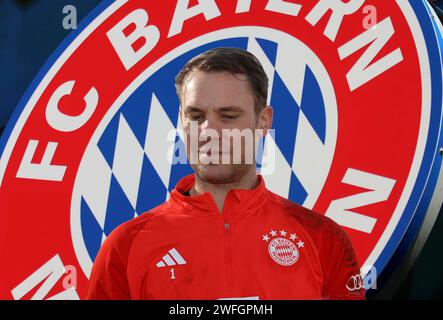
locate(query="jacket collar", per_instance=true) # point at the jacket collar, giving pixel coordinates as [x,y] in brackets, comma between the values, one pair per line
[237,202]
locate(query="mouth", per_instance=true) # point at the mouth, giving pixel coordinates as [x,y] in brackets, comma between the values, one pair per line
[213,158]
[213,153]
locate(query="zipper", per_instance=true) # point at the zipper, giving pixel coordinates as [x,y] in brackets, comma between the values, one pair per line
[228,253]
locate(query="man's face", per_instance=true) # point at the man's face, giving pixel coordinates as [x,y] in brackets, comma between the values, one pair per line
[215,101]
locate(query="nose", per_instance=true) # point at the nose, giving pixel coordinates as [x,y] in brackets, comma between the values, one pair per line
[210,124]
[210,130]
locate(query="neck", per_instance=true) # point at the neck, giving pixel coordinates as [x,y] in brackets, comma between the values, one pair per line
[219,191]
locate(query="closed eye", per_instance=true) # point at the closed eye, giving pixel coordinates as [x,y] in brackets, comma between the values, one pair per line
[230,117]
[196,117]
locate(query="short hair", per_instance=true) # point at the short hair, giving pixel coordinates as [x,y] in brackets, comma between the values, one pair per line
[235,61]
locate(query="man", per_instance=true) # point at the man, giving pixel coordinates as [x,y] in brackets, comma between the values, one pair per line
[222,234]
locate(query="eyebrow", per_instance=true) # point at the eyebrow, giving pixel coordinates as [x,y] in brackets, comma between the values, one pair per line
[222,109]
[192,109]
[230,108]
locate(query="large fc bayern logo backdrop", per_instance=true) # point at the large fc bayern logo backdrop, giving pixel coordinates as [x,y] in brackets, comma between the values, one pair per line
[357,125]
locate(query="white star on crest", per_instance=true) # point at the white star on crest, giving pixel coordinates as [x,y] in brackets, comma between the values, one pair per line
[266,238]
[300,244]
[273,233]
[293,237]
[283,233]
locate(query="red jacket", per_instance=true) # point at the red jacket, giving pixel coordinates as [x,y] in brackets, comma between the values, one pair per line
[261,246]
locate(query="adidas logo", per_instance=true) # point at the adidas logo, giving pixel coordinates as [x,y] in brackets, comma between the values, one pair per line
[172,258]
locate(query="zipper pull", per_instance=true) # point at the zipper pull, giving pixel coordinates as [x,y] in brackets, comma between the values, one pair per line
[227,228]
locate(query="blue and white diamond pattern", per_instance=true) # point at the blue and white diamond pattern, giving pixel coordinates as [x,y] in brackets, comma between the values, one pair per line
[129,171]
[302,158]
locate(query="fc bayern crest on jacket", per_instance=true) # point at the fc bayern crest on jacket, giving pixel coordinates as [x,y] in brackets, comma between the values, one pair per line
[283,247]
[357,104]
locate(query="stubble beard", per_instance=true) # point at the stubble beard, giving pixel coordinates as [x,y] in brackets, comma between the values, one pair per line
[222,173]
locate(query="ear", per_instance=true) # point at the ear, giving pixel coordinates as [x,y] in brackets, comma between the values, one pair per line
[180,111]
[265,119]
